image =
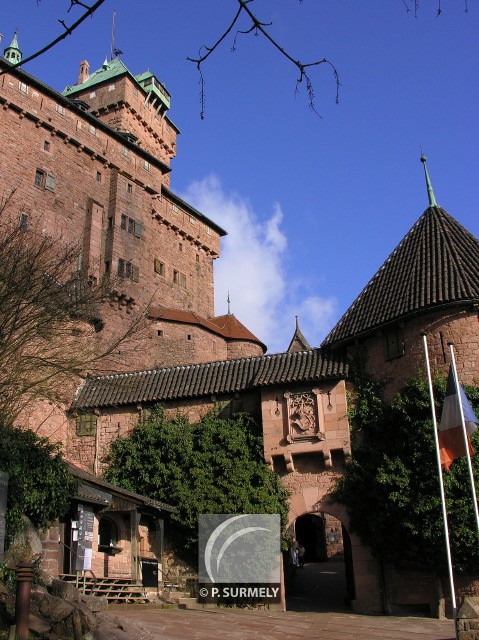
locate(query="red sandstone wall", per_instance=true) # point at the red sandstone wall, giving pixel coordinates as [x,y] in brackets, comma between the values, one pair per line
[460,326]
[243,349]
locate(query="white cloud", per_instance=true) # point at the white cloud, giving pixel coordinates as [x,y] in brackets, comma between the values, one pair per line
[252,267]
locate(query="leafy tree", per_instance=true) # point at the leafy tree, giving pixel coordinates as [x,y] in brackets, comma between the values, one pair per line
[213,466]
[40,485]
[391,489]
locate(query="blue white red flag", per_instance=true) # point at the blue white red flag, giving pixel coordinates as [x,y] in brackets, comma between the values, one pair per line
[450,432]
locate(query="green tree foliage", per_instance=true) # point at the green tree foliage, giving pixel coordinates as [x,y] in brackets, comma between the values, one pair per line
[40,485]
[213,466]
[392,490]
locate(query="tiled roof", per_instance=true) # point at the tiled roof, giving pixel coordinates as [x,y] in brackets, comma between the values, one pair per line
[435,265]
[226,376]
[226,326]
[83,475]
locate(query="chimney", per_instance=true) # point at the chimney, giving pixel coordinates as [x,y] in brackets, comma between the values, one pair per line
[83,74]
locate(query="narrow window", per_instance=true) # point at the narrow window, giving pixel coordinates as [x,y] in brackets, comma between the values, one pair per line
[175,208]
[129,186]
[110,222]
[192,220]
[394,344]
[98,176]
[23,222]
[60,109]
[46,146]
[39,178]
[180,246]
[23,87]
[131,225]
[160,333]
[50,182]
[135,273]
[126,153]
[182,280]
[189,336]
[92,130]
[121,268]
[123,222]
[146,165]
[138,229]
[175,276]
[128,269]
[107,266]
[159,267]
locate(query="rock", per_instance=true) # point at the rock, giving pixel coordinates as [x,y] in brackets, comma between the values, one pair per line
[112,627]
[50,607]
[64,590]
[38,625]
[469,609]
[25,547]
[94,603]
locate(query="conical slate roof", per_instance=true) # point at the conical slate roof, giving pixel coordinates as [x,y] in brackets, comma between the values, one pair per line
[435,265]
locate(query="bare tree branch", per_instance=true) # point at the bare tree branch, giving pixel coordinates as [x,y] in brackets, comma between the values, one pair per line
[68,30]
[258,26]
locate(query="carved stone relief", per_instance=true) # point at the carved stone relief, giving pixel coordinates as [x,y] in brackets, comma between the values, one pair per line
[303,419]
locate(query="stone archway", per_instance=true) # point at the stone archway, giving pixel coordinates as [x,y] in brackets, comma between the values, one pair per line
[361,575]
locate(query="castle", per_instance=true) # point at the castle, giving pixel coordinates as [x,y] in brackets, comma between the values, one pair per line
[94,165]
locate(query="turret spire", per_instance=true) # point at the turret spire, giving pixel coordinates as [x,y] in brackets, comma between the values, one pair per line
[430,192]
[13,53]
[228,300]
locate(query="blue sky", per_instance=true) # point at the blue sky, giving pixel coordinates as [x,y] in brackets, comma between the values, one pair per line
[313,205]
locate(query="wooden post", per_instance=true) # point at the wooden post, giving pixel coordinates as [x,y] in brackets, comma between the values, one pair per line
[134,523]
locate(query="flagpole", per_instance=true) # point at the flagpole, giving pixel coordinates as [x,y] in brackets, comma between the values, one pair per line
[464,433]
[441,485]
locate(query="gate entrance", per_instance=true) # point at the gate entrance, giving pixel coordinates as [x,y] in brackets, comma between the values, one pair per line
[326,581]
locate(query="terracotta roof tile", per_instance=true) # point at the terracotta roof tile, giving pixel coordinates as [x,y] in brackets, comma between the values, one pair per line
[197,380]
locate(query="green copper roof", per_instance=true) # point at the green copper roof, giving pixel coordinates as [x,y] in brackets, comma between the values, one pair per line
[106,72]
[430,192]
[114,69]
[13,53]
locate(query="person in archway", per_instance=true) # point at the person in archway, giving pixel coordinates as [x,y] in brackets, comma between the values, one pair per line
[301,554]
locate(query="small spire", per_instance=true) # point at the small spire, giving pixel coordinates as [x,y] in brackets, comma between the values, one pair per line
[430,192]
[13,53]
[105,65]
[228,300]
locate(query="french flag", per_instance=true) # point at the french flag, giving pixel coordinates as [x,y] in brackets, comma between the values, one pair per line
[450,431]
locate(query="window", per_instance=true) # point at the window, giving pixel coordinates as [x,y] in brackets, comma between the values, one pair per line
[146,165]
[23,87]
[92,130]
[208,230]
[182,280]
[98,176]
[93,94]
[39,178]
[135,91]
[110,222]
[189,336]
[175,276]
[129,186]
[175,208]
[138,229]
[86,424]
[180,246]
[126,153]
[159,267]
[46,145]
[131,225]
[23,222]
[179,278]
[111,87]
[160,333]
[50,182]
[128,270]
[107,266]
[121,268]
[107,535]
[60,109]
[124,222]
[394,344]
[192,220]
